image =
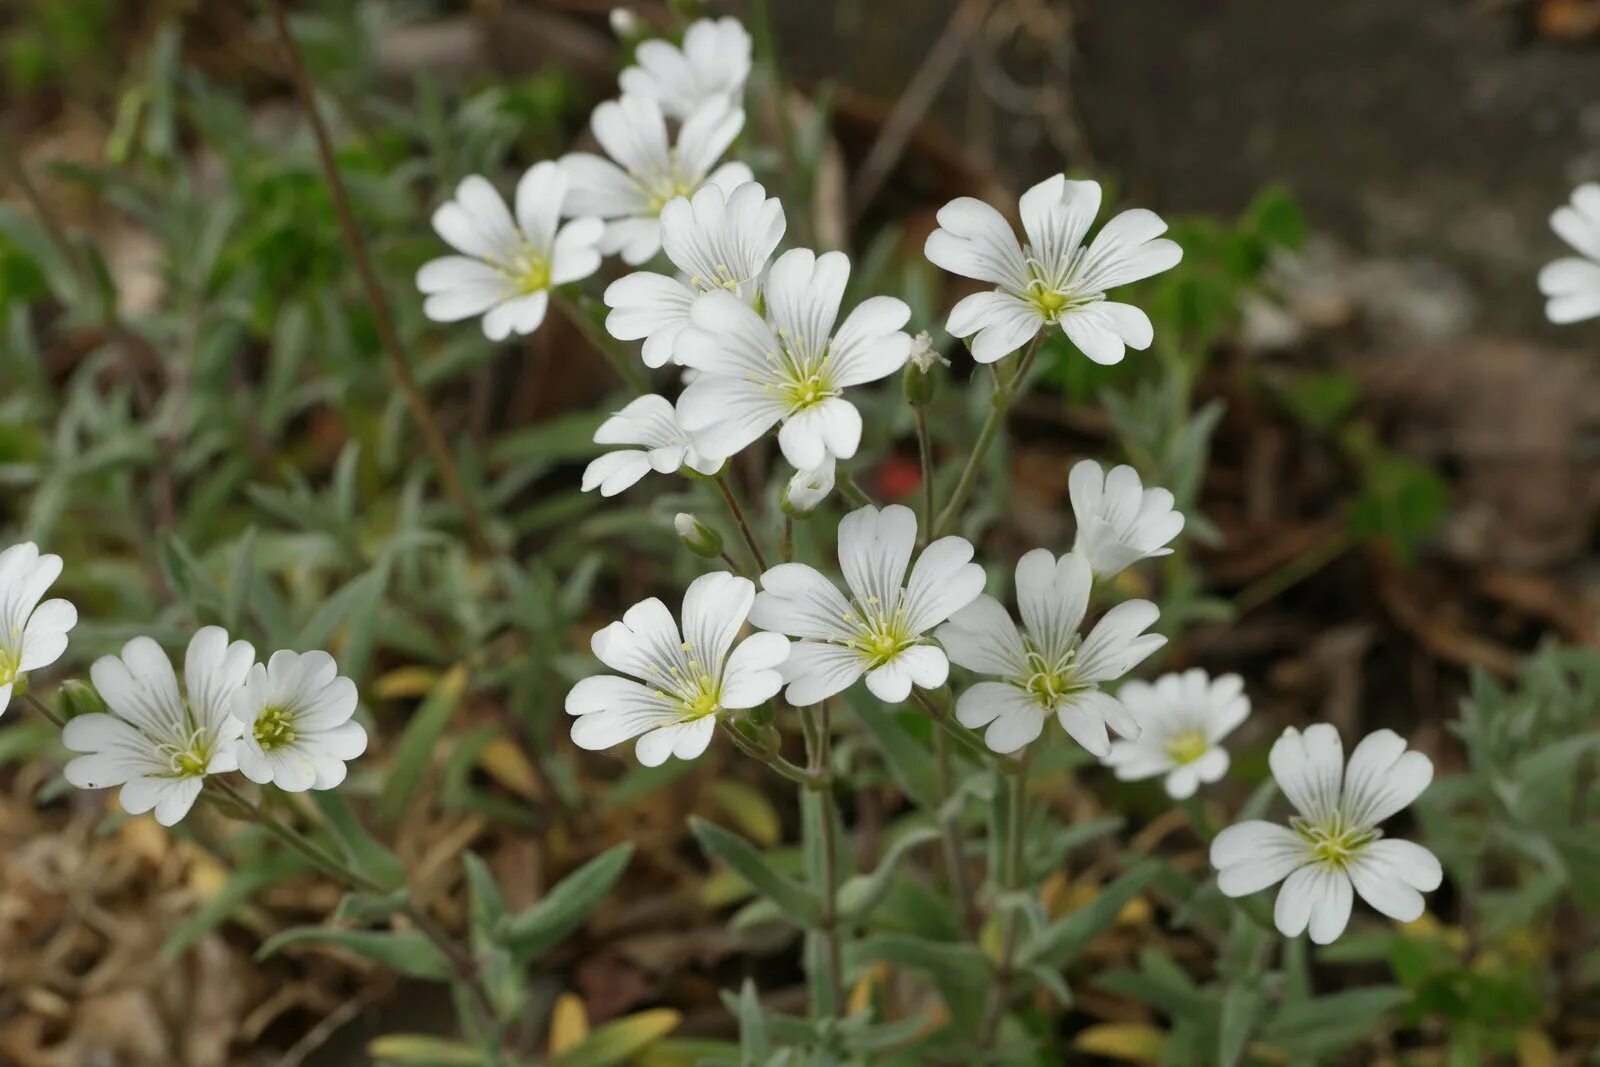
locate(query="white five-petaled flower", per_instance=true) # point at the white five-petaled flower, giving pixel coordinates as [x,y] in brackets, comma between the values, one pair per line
[1572,283]
[507,265]
[159,741]
[881,630]
[296,712]
[646,171]
[1053,280]
[651,423]
[32,635]
[686,679]
[1119,521]
[717,240]
[713,64]
[791,367]
[1334,844]
[1047,668]
[1183,719]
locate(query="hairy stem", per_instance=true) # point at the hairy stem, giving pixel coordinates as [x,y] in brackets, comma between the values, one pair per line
[925,451]
[38,705]
[950,836]
[1011,880]
[1005,391]
[728,497]
[382,315]
[818,746]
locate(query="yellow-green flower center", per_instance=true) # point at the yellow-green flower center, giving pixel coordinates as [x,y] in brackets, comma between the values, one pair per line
[10,664]
[664,183]
[1048,683]
[189,757]
[691,686]
[1186,746]
[880,635]
[804,377]
[528,271]
[722,277]
[1335,842]
[274,727]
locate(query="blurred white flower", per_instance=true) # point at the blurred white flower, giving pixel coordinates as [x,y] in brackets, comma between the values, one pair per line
[159,741]
[1334,844]
[1573,283]
[880,631]
[809,488]
[298,732]
[791,368]
[1053,280]
[651,423]
[686,679]
[713,64]
[1119,521]
[507,266]
[717,240]
[1183,719]
[1047,669]
[646,171]
[32,635]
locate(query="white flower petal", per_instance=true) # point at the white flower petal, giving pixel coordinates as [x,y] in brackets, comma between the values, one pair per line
[1382,778]
[975,241]
[816,671]
[982,638]
[1309,768]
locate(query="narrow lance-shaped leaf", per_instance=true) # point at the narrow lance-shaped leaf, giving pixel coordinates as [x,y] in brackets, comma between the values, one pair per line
[406,952]
[799,903]
[417,744]
[564,908]
[1061,941]
[620,1041]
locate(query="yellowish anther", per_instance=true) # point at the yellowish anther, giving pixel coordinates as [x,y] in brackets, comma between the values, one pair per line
[1187,746]
[189,764]
[1335,842]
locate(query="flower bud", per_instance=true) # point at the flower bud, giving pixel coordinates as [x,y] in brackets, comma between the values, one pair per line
[78,697]
[627,25]
[697,537]
[807,489]
[918,380]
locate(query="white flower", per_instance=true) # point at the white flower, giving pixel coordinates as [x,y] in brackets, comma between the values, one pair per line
[791,367]
[1183,719]
[1054,279]
[713,64]
[649,171]
[650,422]
[296,712]
[686,679]
[1334,844]
[159,741]
[809,488]
[32,635]
[507,266]
[880,630]
[1573,283]
[1047,669]
[717,240]
[1119,521]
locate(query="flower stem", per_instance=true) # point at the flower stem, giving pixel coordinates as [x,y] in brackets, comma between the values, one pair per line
[960,733]
[786,545]
[465,966]
[382,315]
[925,450]
[852,490]
[798,775]
[37,705]
[1005,392]
[1016,816]
[737,512]
[620,360]
[818,746]
[950,836]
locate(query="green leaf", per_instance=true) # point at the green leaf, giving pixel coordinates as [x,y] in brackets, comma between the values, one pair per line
[406,952]
[1241,1008]
[859,895]
[907,757]
[797,901]
[417,744]
[565,907]
[621,1040]
[1059,943]
[952,963]
[423,1050]
[1327,1024]
[365,853]
[486,906]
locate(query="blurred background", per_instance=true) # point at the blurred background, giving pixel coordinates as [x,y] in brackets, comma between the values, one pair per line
[1391,461]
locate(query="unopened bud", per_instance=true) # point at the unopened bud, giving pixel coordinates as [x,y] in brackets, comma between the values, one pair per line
[626,24]
[79,698]
[697,537]
[807,489]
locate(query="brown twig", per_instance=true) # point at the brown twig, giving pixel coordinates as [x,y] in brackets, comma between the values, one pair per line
[383,316]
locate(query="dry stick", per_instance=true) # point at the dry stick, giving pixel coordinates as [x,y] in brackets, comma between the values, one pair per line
[383,317]
[738,516]
[1000,992]
[920,92]
[999,404]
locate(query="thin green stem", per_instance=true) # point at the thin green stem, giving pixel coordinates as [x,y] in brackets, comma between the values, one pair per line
[786,545]
[798,775]
[1005,391]
[1016,813]
[382,316]
[38,705]
[833,951]
[950,835]
[852,490]
[925,450]
[737,512]
[621,361]
[960,734]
